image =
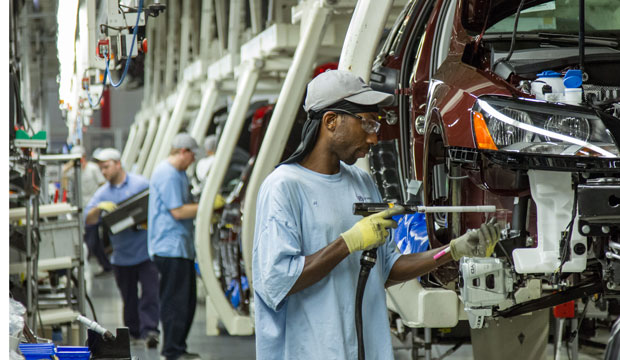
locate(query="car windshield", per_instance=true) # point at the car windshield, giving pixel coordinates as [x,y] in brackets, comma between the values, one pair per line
[562,16]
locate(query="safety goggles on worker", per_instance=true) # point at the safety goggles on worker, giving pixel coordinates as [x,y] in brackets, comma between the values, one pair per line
[369,125]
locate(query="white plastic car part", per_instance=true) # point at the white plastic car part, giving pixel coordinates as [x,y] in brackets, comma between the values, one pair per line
[420,307]
[553,194]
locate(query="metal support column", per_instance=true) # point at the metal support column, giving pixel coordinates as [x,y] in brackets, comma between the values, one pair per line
[205,113]
[174,124]
[158,55]
[146,146]
[186,24]
[235,323]
[130,139]
[221,21]
[282,121]
[159,138]
[428,344]
[29,270]
[256,16]
[574,345]
[206,31]
[171,44]
[81,286]
[148,68]
[234,30]
[134,151]
[557,342]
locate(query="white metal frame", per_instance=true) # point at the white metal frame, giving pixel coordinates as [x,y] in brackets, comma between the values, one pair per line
[235,323]
[147,144]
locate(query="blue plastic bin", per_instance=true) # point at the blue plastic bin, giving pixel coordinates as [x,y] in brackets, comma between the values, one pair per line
[37,351]
[72,352]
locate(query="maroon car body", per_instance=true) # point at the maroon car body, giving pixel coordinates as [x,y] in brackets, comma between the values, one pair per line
[441,60]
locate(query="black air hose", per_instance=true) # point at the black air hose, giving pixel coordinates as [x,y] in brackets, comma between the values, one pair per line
[368,260]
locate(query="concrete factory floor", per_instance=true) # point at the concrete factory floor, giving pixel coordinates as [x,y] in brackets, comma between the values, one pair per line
[108,305]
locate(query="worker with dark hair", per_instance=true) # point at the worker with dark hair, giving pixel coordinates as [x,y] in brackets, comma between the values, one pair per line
[171,244]
[130,258]
[307,242]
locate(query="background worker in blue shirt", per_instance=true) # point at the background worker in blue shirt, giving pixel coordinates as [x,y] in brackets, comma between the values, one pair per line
[130,259]
[171,244]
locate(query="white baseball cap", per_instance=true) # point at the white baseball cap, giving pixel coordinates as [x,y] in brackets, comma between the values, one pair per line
[107,154]
[333,86]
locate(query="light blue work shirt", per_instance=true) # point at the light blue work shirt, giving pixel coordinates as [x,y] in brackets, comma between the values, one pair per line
[169,237]
[300,212]
[129,245]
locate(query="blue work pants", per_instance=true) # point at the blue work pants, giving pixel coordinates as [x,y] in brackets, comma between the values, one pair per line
[141,314]
[177,294]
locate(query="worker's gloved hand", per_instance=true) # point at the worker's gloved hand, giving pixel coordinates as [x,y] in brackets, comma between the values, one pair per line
[477,243]
[108,206]
[219,202]
[371,231]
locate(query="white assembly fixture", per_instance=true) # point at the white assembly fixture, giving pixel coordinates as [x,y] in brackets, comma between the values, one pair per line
[174,124]
[151,161]
[205,113]
[146,145]
[236,324]
[130,140]
[553,194]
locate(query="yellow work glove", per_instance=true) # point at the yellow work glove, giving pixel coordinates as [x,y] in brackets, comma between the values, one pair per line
[219,202]
[371,231]
[477,243]
[108,206]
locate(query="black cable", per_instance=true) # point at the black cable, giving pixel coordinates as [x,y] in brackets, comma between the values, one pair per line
[367,261]
[568,232]
[514,36]
[90,303]
[574,333]
[512,266]
[20,111]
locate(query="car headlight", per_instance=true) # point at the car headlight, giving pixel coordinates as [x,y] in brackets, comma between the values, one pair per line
[530,126]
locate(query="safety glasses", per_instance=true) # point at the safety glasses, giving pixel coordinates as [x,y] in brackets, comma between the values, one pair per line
[369,125]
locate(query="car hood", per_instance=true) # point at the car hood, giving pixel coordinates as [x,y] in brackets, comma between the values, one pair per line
[474,11]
